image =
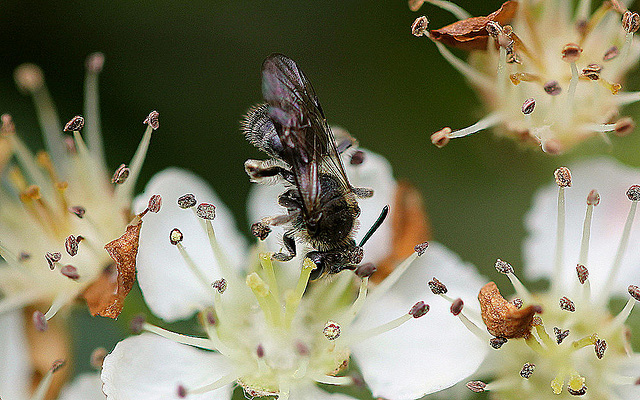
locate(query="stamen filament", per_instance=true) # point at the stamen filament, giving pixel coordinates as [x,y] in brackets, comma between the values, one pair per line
[125,190]
[51,126]
[620,319]
[222,259]
[583,10]
[520,289]
[573,83]
[586,235]
[557,273]
[43,386]
[546,339]
[194,267]
[263,294]
[359,302]
[390,280]
[62,299]
[486,122]
[534,345]
[201,343]
[585,341]
[473,328]
[292,301]
[16,301]
[627,98]
[453,8]
[28,162]
[622,247]
[217,384]
[378,330]
[334,380]
[476,77]
[92,116]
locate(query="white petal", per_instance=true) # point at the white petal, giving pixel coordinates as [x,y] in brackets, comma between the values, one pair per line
[85,387]
[148,367]
[375,172]
[612,180]
[312,392]
[170,289]
[15,368]
[629,367]
[433,352]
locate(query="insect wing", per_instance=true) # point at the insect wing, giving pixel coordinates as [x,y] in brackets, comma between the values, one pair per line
[309,145]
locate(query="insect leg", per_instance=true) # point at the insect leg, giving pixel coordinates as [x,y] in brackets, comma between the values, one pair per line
[290,245]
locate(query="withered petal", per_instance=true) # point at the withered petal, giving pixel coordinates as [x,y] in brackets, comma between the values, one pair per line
[471,33]
[105,297]
[409,225]
[502,318]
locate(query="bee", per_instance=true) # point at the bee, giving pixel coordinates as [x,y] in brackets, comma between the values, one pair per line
[322,206]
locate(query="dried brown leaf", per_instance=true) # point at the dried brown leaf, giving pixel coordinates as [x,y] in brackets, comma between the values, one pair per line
[105,297]
[471,33]
[502,318]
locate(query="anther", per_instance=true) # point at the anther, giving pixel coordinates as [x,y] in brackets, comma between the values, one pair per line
[624,126]
[592,71]
[580,392]
[155,203]
[95,62]
[57,364]
[610,54]
[634,193]
[137,324]
[97,357]
[419,26]
[52,259]
[78,211]
[563,177]
[503,267]
[560,334]
[457,306]
[583,273]
[552,88]
[528,106]
[120,175]
[571,52]
[331,330]
[70,272]
[206,211]
[631,22]
[365,270]
[211,318]
[71,245]
[593,198]
[24,256]
[181,392]
[419,309]
[600,347]
[357,158]
[29,77]
[260,351]
[566,304]
[497,342]
[441,138]
[75,125]
[634,291]
[302,349]
[437,287]
[220,285]
[260,230]
[421,248]
[152,120]
[39,321]
[527,370]
[186,201]
[7,128]
[175,236]
[517,302]
[476,386]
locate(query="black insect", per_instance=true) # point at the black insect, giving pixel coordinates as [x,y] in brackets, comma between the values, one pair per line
[322,207]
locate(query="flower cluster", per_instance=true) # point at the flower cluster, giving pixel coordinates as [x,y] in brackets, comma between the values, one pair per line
[548,74]
[563,341]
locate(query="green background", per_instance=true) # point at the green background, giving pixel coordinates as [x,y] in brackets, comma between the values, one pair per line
[198,64]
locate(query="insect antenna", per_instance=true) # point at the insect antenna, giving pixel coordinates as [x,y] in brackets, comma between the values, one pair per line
[375,226]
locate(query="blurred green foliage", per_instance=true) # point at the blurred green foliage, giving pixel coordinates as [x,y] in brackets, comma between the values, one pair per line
[198,63]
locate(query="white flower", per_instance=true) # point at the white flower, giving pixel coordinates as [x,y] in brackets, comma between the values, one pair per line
[565,341]
[552,77]
[274,335]
[16,371]
[59,209]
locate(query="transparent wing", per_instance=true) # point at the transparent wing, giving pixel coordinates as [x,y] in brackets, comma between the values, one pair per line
[308,143]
